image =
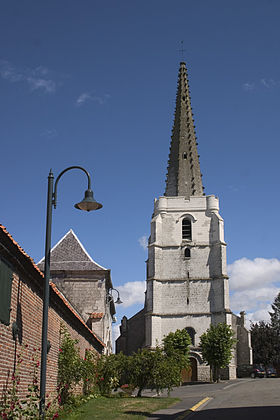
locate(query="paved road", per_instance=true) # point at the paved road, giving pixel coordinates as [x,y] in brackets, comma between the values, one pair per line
[257,399]
[242,399]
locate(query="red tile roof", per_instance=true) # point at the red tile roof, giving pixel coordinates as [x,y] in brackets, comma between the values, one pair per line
[52,285]
[96,315]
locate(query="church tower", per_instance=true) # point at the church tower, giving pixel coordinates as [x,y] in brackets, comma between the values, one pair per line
[187,283]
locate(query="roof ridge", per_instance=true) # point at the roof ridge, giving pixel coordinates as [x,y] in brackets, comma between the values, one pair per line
[90,259]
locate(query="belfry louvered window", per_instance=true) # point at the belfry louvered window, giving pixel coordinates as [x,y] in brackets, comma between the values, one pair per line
[186,229]
[6,278]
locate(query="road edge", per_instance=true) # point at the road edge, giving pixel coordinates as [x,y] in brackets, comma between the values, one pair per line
[191,410]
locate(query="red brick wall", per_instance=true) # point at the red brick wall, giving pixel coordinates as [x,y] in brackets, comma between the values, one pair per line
[26,309]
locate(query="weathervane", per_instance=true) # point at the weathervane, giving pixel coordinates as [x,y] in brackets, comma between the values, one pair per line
[182,50]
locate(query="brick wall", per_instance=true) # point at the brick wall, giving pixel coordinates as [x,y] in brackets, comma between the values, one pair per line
[26,311]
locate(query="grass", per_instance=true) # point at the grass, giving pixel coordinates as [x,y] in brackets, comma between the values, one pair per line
[119,408]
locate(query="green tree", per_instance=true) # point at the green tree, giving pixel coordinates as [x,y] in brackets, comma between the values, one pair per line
[110,371]
[69,365]
[141,365]
[216,346]
[265,343]
[176,345]
[160,368]
[166,372]
[275,314]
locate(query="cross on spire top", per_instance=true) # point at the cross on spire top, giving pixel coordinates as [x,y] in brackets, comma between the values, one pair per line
[182,49]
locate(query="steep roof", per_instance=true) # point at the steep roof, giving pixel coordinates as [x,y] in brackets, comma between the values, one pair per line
[70,254]
[183,172]
[25,262]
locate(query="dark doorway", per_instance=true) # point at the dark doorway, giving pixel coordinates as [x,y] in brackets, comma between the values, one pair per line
[194,369]
[190,375]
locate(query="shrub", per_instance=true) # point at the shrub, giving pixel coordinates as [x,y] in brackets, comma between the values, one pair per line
[111,372]
[70,369]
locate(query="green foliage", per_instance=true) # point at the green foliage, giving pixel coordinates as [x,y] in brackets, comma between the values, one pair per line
[110,370]
[141,366]
[216,346]
[155,369]
[265,337]
[70,366]
[275,314]
[177,346]
[89,372]
[265,343]
[178,341]
[11,406]
[166,371]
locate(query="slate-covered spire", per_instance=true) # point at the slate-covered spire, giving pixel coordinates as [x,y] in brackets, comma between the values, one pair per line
[183,172]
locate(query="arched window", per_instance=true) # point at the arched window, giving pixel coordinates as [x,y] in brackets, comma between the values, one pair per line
[191,332]
[187,253]
[186,229]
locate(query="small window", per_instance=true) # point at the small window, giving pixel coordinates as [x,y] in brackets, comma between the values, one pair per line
[6,278]
[191,332]
[187,253]
[186,229]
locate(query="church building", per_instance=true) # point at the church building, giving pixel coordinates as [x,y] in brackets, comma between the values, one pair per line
[187,282]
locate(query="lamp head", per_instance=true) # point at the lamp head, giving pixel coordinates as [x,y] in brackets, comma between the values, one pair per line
[118,301]
[88,203]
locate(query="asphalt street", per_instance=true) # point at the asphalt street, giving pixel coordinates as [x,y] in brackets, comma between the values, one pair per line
[239,399]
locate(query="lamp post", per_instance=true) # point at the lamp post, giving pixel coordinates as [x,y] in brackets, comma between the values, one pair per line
[87,204]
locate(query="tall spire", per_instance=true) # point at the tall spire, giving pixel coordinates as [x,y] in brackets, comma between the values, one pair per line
[183,172]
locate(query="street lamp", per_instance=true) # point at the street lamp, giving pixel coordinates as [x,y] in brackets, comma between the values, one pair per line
[111,297]
[87,204]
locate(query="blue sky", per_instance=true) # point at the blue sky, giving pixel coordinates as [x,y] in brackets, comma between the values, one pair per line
[93,83]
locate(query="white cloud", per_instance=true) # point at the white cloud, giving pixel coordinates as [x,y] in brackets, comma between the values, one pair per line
[258,315]
[115,331]
[84,97]
[46,85]
[264,82]
[245,273]
[88,96]
[254,284]
[50,133]
[35,78]
[253,298]
[248,86]
[132,292]
[270,83]
[143,241]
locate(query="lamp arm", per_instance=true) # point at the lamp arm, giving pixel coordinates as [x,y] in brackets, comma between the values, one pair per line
[60,175]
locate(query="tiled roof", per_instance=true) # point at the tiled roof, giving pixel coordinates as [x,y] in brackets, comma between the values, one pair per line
[70,254]
[19,248]
[96,315]
[52,285]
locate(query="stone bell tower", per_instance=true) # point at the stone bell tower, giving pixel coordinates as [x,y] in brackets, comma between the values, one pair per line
[187,282]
